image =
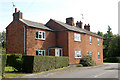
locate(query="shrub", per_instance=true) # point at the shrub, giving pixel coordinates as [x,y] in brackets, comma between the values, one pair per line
[3,63]
[15,60]
[79,65]
[43,63]
[87,61]
[111,59]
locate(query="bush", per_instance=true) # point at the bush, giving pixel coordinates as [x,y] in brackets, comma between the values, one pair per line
[87,61]
[43,63]
[111,59]
[3,63]
[15,60]
[79,65]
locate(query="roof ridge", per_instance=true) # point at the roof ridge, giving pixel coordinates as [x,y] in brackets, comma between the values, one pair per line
[32,21]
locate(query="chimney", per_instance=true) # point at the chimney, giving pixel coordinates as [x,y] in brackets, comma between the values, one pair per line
[79,24]
[70,21]
[87,27]
[17,15]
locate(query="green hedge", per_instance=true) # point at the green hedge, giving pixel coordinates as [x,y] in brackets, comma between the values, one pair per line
[111,59]
[3,63]
[43,63]
[15,60]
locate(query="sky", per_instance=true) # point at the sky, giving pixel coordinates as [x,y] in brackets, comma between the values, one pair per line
[98,13]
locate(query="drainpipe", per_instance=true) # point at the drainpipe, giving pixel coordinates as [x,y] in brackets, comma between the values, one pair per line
[24,39]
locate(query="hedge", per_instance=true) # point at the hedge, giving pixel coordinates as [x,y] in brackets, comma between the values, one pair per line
[15,60]
[111,59]
[3,63]
[43,63]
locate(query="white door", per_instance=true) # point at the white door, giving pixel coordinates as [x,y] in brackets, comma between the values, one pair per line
[57,52]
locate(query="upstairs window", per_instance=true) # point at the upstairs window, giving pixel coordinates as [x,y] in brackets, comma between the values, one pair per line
[98,41]
[90,40]
[40,52]
[98,55]
[77,54]
[40,35]
[90,53]
[77,37]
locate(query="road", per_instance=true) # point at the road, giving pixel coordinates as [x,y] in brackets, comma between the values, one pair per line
[109,70]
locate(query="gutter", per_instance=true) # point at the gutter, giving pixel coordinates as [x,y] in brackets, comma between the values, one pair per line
[24,39]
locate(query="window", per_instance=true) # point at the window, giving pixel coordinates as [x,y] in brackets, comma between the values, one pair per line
[77,37]
[77,54]
[87,52]
[90,53]
[40,35]
[98,55]
[90,40]
[40,52]
[98,41]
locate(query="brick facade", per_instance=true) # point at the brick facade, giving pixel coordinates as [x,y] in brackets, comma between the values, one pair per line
[59,36]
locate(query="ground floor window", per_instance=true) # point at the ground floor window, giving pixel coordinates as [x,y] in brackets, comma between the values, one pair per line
[98,55]
[77,54]
[40,52]
[90,53]
[87,52]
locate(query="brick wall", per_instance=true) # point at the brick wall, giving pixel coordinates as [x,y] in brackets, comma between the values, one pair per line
[33,44]
[84,46]
[15,38]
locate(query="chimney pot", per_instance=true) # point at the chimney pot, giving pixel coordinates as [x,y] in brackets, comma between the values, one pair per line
[15,10]
[87,27]
[79,24]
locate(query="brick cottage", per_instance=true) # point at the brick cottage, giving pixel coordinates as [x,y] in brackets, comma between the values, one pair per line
[54,38]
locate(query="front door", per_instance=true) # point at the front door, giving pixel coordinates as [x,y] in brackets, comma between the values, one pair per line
[57,52]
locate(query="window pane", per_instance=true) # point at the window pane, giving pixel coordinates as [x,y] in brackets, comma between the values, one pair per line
[36,34]
[43,35]
[37,52]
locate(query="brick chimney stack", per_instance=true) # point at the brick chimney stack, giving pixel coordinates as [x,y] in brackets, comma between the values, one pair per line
[17,15]
[79,24]
[70,21]
[87,27]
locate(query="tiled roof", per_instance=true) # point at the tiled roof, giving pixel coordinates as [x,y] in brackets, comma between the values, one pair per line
[35,24]
[72,28]
[77,29]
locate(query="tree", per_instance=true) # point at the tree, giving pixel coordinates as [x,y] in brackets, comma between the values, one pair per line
[106,40]
[0,40]
[3,38]
[100,33]
[114,46]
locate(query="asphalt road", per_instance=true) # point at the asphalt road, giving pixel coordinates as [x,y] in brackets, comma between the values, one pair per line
[108,70]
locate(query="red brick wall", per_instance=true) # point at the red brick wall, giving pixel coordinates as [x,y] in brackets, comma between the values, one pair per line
[62,40]
[33,44]
[84,46]
[15,38]
[52,24]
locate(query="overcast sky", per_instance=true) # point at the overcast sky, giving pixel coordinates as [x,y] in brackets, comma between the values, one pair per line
[98,13]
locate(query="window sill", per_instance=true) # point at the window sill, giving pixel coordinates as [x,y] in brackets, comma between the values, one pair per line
[40,39]
[77,41]
[77,57]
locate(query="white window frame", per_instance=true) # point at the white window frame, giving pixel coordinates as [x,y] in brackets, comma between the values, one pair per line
[41,52]
[77,37]
[90,40]
[91,53]
[98,42]
[40,33]
[77,53]
[98,55]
